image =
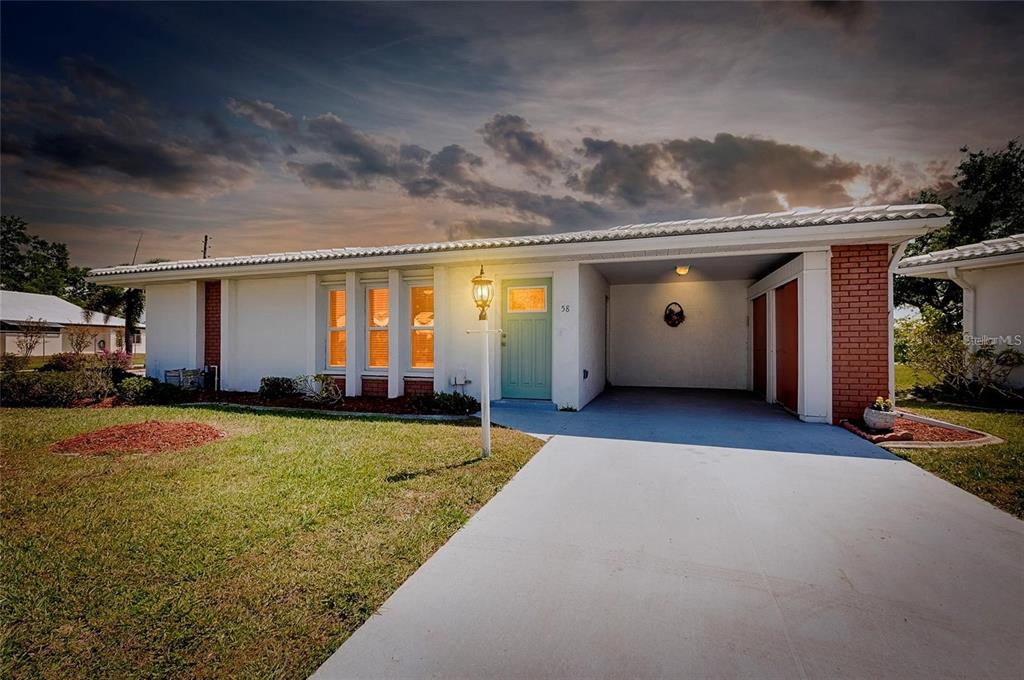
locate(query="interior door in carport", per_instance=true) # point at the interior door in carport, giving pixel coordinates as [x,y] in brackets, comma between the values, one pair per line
[787,345]
[526,339]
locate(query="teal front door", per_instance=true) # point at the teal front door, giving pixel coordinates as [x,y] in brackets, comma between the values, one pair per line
[526,339]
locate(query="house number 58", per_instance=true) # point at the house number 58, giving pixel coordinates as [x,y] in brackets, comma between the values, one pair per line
[565,308]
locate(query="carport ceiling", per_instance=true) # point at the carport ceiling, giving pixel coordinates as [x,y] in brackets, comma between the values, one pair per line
[701,269]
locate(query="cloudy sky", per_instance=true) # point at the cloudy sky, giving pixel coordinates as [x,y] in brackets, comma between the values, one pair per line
[285,127]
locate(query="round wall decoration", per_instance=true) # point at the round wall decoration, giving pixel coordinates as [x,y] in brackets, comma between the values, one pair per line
[674,314]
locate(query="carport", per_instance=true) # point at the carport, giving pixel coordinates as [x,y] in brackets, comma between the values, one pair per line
[756,322]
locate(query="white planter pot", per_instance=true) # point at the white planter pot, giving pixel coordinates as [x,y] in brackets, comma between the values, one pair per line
[879,420]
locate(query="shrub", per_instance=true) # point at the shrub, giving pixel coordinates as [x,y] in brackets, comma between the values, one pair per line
[54,388]
[67,361]
[447,403]
[320,389]
[137,390]
[116,361]
[272,387]
[964,371]
[12,363]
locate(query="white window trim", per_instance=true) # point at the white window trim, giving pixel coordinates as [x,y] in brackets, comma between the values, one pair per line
[375,371]
[508,296]
[339,370]
[411,372]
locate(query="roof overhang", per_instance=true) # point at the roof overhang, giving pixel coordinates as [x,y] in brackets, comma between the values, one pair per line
[618,244]
[941,270]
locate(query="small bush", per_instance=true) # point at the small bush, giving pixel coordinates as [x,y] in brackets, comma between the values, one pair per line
[12,363]
[445,403]
[54,388]
[67,361]
[272,387]
[116,361]
[137,390]
[319,389]
[965,371]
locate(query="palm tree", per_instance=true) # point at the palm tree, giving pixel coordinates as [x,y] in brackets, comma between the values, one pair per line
[127,303]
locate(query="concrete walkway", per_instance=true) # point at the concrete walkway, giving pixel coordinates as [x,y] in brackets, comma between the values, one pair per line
[650,551]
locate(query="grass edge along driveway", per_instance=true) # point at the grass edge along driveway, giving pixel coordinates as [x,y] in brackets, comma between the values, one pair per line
[256,555]
[994,473]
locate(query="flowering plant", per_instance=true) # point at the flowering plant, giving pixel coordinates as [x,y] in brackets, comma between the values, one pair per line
[882,404]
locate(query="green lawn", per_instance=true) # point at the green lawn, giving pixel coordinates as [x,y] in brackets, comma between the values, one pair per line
[994,473]
[253,556]
[906,378]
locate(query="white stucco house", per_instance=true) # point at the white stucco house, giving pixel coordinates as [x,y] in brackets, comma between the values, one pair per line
[991,274]
[796,306]
[61,318]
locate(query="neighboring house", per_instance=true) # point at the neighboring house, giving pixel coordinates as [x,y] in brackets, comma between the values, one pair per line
[62,319]
[793,305]
[991,274]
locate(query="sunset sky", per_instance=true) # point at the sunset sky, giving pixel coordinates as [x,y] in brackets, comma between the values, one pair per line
[289,126]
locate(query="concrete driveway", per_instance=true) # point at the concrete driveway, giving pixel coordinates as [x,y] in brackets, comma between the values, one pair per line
[707,535]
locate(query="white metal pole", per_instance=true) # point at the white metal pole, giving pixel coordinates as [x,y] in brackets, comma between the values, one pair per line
[485,393]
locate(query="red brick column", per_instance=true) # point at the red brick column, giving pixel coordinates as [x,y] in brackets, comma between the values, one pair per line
[211,324]
[860,328]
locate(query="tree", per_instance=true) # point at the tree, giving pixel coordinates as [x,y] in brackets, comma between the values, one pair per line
[33,265]
[31,334]
[987,202]
[127,303]
[79,338]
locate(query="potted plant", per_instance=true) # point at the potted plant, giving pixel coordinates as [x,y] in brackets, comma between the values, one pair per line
[880,415]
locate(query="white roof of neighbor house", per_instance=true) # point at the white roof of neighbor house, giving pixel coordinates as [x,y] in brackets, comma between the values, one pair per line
[15,307]
[973,252]
[761,221]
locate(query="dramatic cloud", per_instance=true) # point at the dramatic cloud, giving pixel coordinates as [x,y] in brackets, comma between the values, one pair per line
[99,82]
[263,114]
[632,173]
[850,16]
[729,168]
[95,133]
[707,173]
[451,173]
[511,138]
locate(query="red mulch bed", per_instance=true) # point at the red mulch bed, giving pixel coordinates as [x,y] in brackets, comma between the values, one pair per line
[152,436]
[926,432]
[399,405]
[906,429]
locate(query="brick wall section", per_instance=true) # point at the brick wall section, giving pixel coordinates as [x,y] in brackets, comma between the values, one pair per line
[375,387]
[211,324]
[860,328]
[340,382]
[417,386]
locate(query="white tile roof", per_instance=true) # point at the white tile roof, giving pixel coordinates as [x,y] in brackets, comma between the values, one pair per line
[16,307]
[974,251]
[762,221]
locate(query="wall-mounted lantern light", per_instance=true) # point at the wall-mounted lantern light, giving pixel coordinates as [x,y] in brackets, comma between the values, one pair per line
[483,292]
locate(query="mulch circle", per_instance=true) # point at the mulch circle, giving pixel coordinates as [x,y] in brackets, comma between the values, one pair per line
[152,436]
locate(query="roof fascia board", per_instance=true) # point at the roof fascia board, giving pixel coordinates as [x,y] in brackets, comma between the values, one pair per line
[792,238]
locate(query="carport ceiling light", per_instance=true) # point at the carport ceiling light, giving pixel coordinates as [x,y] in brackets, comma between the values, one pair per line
[683,269]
